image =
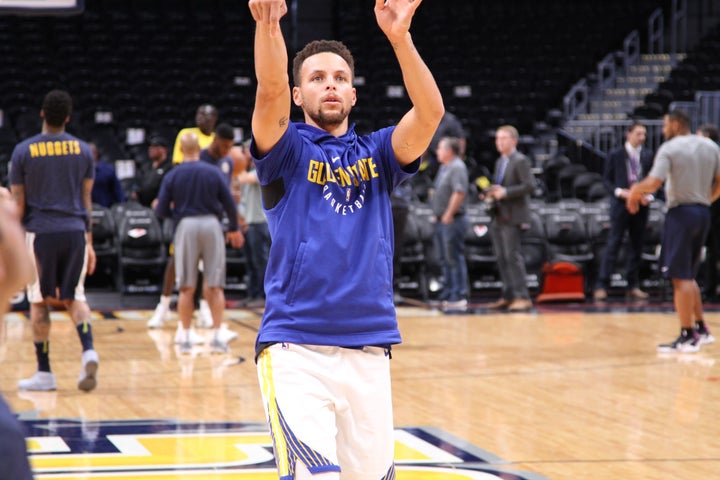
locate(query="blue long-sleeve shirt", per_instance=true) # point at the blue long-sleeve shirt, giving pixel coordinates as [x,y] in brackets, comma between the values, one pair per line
[107,190]
[193,189]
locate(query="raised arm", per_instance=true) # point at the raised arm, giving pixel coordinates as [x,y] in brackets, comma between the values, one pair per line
[415,130]
[272,101]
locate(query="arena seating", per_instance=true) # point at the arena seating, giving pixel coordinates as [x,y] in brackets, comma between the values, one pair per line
[700,71]
[151,63]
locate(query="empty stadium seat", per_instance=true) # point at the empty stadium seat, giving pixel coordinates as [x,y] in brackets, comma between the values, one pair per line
[141,250]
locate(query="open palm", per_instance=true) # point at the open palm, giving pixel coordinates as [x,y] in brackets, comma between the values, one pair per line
[394,16]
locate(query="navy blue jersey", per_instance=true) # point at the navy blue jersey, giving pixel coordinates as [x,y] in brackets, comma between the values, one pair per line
[107,190]
[196,188]
[52,168]
[327,200]
[225,164]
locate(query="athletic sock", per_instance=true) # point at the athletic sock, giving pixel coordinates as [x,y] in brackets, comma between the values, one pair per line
[42,352]
[700,326]
[165,301]
[85,332]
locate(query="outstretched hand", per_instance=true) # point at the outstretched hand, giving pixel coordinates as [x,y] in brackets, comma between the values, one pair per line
[268,12]
[394,17]
[632,201]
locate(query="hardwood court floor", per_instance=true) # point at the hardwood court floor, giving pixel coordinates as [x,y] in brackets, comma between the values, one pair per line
[562,393]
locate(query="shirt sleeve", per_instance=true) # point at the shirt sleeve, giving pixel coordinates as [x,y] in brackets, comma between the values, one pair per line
[661,165]
[17,175]
[273,165]
[162,209]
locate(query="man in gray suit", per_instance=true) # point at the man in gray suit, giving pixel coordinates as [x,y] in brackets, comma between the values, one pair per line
[510,196]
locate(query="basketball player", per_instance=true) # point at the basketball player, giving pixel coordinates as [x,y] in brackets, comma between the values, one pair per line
[195,194]
[690,167]
[323,348]
[51,179]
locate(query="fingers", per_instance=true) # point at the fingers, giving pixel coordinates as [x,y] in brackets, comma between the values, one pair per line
[268,12]
[91,261]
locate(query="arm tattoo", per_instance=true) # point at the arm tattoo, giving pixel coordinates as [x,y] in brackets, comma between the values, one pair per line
[405,146]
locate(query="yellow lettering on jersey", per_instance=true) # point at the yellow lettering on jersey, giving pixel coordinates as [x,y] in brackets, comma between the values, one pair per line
[343,176]
[322,172]
[362,170]
[64,147]
[372,167]
[314,171]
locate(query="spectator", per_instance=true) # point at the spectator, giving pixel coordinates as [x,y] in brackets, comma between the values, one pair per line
[149,182]
[712,244]
[450,126]
[206,118]
[255,227]
[624,167]
[510,199]
[107,190]
[448,204]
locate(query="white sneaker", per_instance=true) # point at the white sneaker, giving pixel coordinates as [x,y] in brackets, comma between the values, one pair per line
[186,348]
[160,316]
[706,338]
[204,317]
[182,335]
[218,346]
[40,381]
[226,335]
[88,374]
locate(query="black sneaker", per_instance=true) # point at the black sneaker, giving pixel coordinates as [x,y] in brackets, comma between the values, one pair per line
[687,342]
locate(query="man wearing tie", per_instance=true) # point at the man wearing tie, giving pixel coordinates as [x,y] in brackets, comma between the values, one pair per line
[511,192]
[624,167]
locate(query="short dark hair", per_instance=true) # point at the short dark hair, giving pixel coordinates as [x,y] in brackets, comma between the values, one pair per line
[57,107]
[679,116]
[710,131]
[634,125]
[157,140]
[453,144]
[320,46]
[225,131]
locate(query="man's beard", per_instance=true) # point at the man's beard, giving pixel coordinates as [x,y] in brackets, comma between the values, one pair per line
[328,120]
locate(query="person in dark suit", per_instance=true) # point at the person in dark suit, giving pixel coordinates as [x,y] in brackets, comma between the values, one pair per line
[510,196]
[624,167]
[712,243]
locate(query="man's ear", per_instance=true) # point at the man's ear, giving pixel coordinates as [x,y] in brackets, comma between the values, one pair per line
[297,97]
